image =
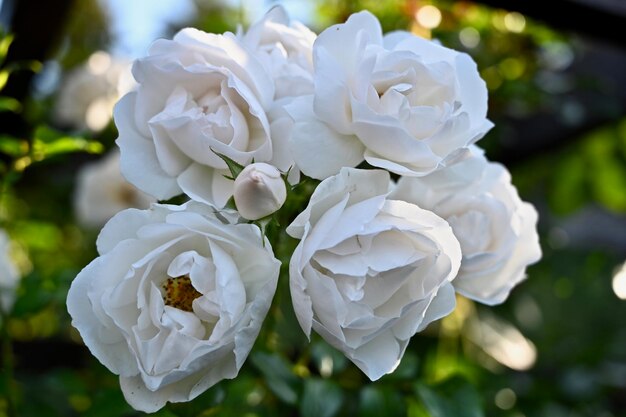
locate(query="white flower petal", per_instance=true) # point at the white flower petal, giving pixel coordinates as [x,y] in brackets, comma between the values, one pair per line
[345,42]
[225,50]
[413,104]
[318,150]
[114,354]
[494,288]
[442,305]
[124,225]
[206,185]
[380,356]
[472,88]
[301,301]
[367,268]
[138,162]
[497,230]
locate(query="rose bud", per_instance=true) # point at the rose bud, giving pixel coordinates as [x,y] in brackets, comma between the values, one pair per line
[259,191]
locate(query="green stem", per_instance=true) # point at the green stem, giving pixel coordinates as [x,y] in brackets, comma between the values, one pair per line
[5,186]
[8,364]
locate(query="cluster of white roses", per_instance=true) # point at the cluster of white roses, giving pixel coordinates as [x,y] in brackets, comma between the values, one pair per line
[178,295]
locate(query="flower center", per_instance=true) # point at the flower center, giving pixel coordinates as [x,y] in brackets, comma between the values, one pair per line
[179,293]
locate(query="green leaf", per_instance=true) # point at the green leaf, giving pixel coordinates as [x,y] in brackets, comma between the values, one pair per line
[621,134]
[454,397]
[49,142]
[211,401]
[10,104]
[416,409]
[4,77]
[34,66]
[568,189]
[263,224]
[230,204]
[67,145]
[30,65]
[327,358]
[607,173]
[13,146]
[321,398]
[279,377]
[109,402]
[234,167]
[38,235]
[606,179]
[5,43]
[375,402]
[32,298]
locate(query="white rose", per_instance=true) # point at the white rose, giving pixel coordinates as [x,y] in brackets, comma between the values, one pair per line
[9,275]
[199,94]
[259,191]
[497,230]
[285,47]
[102,192]
[89,92]
[370,272]
[400,102]
[175,300]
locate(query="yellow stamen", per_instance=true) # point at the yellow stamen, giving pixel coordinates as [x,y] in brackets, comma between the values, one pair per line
[179,293]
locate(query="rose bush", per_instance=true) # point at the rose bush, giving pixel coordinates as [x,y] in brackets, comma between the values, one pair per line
[175,300]
[370,272]
[497,230]
[400,102]
[177,297]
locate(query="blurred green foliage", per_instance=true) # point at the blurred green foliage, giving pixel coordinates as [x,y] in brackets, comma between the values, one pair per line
[566,308]
[589,170]
[86,31]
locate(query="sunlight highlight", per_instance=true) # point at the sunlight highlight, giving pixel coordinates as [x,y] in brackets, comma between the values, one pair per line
[503,342]
[99,62]
[514,22]
[428,16]
[619,282]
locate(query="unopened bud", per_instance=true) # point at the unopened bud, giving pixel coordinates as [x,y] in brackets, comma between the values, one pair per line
[259,191]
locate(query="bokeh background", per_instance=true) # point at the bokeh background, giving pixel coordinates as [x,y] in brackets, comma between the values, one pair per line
[556,75]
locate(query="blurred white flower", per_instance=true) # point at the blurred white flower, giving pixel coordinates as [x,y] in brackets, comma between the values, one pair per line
[259,191]
[102,192]
[9,274]
[90,91]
